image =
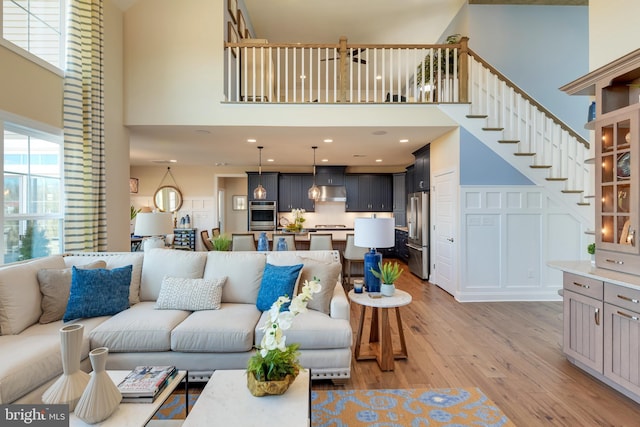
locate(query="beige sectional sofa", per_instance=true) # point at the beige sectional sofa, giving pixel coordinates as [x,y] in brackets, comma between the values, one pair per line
[198,341]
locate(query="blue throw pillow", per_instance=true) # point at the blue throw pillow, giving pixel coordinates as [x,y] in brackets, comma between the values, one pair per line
[276,282]
[98,292]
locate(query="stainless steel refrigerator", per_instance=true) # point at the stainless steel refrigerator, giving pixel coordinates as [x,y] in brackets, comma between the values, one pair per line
[418,225]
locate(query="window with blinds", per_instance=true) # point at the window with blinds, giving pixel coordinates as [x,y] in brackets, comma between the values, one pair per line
[36,26]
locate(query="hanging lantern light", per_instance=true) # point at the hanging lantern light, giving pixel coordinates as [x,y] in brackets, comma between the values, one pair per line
[259,192]
[314,191]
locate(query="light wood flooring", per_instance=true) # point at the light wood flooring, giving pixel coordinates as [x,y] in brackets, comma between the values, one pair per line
[510,350]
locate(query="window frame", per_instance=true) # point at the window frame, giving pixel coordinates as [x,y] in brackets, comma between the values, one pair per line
[12,123]
[33,57]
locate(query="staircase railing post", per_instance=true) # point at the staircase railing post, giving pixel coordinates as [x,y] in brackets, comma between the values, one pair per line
[343,68]
[463,70]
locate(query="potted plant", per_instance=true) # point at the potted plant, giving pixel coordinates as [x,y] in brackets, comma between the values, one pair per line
[275,365]
[134,213]
[388,274]
[221,243]
[436,62]
[591,250]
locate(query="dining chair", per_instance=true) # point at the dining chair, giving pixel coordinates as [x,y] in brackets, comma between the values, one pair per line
[243,242]
[320,242]
[289,238]
[352,255]
[215,232]
[206,240]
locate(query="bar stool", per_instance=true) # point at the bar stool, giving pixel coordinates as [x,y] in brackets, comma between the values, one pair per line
[320,242]
[243,242]
[352,254]
[289,238]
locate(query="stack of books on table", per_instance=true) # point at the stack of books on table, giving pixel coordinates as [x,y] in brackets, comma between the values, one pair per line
[145,383]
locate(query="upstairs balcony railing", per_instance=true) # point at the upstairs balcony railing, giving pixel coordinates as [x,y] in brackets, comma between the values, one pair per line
[356,73]
[261,72]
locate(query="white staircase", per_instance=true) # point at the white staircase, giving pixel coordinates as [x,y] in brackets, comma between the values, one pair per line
[529,137]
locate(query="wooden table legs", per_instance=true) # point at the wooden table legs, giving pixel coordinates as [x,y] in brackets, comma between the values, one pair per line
[380,338]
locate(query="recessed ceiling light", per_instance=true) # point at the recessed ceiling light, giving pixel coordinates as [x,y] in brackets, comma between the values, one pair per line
[378,160]
[251,140]
[269,160]
[402,141]
[379,132]
[378,77]
[173,161]
[324,160]
[303,77]
[328,140]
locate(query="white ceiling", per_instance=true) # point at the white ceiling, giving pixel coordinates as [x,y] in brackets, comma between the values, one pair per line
[362,21]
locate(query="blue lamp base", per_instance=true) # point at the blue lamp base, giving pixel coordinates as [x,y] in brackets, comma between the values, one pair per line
[371,260]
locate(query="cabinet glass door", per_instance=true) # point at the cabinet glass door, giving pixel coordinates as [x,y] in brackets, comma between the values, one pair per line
[617,187]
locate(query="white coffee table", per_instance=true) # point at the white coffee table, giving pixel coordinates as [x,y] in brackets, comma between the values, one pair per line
[133,414]
[380,332]
[226,401]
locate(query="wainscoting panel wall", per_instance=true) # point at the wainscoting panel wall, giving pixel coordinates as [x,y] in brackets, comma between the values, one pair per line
[508,235]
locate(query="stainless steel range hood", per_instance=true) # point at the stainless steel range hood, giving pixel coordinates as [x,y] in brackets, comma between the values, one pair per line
[332,193]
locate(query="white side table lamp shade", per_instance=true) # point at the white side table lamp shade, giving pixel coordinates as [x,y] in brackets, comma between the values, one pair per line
[154,225]
[373,233]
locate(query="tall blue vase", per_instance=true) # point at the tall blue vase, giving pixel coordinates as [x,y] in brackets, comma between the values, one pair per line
[371,260]
[282,245]
[263,242]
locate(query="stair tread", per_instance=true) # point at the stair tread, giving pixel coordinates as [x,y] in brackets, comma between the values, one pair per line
[572,191]
[508,141]
[493,129]
[540,166]
[584,204]
[556,179]
[524,154]
[477,116]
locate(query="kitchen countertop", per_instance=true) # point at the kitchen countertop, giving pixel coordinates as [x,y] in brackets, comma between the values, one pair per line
[585,268]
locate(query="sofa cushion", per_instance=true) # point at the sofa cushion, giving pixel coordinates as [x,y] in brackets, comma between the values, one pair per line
[327,274]
[313,330]
[159,263]
[244,274]
[98,292]
[179,293]
[229,329]
[320,264]
[277,281]
[20,296]
[114,260]
[140,328]
[55,285]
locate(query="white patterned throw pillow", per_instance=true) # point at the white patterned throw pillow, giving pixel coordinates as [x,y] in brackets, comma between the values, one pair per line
[181,293]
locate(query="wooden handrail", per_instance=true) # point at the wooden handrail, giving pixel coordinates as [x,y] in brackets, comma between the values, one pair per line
[526,96]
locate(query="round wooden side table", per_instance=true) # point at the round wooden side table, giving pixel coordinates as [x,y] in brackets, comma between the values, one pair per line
[380,332]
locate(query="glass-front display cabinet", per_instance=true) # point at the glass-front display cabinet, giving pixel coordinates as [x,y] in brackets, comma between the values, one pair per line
[617,187]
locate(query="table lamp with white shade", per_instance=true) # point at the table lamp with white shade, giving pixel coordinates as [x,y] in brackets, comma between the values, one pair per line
[154,226]
[373,233]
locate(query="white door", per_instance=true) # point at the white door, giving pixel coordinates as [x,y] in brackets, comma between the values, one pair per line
[444,231]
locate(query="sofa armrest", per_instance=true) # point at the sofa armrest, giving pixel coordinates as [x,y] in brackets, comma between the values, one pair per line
[339,308]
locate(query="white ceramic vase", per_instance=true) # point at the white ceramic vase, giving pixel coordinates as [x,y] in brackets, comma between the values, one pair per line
[101,397]
[69,387]
[387,289]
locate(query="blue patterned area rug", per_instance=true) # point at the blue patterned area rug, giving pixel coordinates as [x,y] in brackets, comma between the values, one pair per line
[455,407]
[400,408]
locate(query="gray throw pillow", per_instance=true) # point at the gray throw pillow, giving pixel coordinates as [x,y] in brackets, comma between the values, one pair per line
[327,274]
[55,285]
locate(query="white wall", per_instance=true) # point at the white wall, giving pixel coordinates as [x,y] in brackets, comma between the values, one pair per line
[115,134]
[613,30]
[508,236]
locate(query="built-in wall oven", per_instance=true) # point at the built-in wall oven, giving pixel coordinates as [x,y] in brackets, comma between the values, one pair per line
[262,215]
